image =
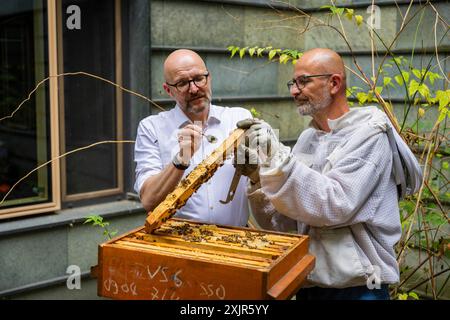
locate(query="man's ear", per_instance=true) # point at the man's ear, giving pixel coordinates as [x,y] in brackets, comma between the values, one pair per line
[336,83]
[167,89]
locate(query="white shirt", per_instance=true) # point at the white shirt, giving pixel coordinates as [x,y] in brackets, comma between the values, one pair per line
[157,143]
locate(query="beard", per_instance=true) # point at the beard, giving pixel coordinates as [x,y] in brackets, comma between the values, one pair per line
[198,104]
[310,107]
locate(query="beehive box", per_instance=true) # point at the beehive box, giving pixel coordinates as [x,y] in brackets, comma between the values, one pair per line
[188,260]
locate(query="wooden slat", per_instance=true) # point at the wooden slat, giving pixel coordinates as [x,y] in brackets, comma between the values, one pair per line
[220,248]
[212,250]
[198,255]
[228,231]
[267,250]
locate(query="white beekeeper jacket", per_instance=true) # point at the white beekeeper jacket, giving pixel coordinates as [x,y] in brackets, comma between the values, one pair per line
[338,188]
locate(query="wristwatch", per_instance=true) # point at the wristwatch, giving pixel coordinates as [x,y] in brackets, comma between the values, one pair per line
[178,164]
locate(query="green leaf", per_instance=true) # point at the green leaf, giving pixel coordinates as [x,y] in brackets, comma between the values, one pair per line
[362,97]
[272,53]
[255,113]
[443,97]
[442,115]
[435,219]
[378,90]
[259,52]
[423,90]
[251,51]
[233,51]
[348,92]
[284,58]
[398,78]
[444,165]
[398,60]
[349,13]
[359,19]
[405,75]
[414,295]
[242,52]
[387,81]
[417,73]
[402,296]
[433,76]
[413,87]
[338,11]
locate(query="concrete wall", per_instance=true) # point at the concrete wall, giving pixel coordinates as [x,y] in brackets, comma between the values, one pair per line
[36,252]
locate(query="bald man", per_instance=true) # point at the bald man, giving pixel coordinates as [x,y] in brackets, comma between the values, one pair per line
[170,144]
[336,185]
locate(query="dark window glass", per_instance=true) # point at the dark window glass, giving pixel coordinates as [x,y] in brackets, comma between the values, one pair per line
[24,138]
[89,104]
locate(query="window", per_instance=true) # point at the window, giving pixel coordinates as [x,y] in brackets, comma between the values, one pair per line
[90,108]
[64,113]
[26,137]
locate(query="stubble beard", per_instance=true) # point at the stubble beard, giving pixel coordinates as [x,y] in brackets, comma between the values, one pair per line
[308,108]
[197,109]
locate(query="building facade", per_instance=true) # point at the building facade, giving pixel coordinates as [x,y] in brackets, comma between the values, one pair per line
[76,77]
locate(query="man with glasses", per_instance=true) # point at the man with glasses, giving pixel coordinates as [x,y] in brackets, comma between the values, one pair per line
[170,144]
[337,184]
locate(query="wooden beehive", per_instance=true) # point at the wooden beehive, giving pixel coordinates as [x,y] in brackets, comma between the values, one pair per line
[188,260]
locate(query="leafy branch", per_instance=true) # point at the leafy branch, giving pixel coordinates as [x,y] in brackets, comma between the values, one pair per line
[96,220]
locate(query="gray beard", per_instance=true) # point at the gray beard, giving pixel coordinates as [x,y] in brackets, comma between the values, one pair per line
[309,108]
[197,110]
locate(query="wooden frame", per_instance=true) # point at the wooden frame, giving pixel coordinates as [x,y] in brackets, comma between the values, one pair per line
[119,113]
[186,187]
[55,203]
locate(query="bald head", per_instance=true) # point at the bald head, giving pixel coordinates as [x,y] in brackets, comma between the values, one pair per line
[323,61]
[188,82]
[180,60]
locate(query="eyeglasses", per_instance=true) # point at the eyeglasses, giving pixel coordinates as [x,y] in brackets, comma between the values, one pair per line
[184,85]
[301,81]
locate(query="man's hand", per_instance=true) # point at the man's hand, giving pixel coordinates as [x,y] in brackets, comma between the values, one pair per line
[189,140]
[260,137]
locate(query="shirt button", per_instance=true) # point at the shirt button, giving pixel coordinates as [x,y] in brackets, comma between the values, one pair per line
[211,207]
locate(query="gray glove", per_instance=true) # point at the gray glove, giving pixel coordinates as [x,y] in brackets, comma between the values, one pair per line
[260,138]
[246,162]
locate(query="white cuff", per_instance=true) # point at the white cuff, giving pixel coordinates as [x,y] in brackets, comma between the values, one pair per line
[277,162]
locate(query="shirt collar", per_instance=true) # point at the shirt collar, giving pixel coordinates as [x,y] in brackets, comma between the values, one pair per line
[181,119]
[355,116]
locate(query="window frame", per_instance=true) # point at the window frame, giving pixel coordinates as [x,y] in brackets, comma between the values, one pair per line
[119,110]
[55,181]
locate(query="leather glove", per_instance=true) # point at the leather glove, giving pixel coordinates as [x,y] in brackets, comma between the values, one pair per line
[260,138]
[246,162]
